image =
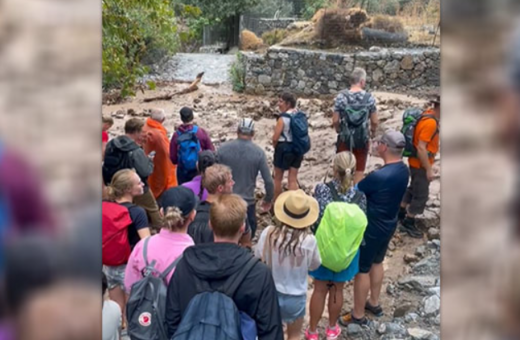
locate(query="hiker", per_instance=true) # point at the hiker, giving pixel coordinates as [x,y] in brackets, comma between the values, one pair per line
[185,145]
[246,160]
[107,124]
[157,144]
[121,234]
[217,180]
[170,242]
[206,159]
[384,189]
[290,250]
[286,158]
[355,120]
[111,315]
[327,281]
[426,144]
[124,152]
[225,266]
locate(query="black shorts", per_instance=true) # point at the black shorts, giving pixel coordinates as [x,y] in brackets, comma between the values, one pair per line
[372,250]
[284,158]
[418,192]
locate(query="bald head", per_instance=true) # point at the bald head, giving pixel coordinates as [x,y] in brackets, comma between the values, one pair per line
[158,115]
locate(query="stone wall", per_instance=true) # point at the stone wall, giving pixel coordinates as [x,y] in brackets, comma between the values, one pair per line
[316,72]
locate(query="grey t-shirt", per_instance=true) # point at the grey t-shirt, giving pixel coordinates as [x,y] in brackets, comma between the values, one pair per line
[111,320]
[246,160]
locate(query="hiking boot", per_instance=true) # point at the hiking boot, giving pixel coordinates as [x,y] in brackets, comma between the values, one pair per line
[333,333]
[376,310]
[408,226]
[311,336]
[348,318]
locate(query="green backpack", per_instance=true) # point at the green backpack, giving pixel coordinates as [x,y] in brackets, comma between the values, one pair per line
[340,234]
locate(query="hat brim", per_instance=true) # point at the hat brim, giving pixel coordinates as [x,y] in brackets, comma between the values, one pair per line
[297,223]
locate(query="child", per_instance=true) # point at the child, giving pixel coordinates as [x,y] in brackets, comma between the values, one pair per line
[290,249]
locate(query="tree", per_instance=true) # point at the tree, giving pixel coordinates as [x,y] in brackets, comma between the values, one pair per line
[218,10]
[131,29]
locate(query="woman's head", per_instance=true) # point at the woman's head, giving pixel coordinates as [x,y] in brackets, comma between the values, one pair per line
[125,182]
[206,159]
[344,166]
[178,208]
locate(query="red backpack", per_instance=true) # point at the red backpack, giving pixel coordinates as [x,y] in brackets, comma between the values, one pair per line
[115,246]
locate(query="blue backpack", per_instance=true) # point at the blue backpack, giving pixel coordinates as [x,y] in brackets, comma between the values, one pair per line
[188,149]
[301,142]
[213,315]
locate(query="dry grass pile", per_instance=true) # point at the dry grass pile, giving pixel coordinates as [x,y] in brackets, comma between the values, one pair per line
[249,41]
[386,23]
[356,17]
[340,26]
[275,36]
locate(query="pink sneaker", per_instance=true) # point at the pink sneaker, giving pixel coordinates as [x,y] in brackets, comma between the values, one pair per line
[333,333]
[311,336]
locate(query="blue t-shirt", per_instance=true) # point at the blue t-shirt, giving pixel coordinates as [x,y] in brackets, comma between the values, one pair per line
[384,189]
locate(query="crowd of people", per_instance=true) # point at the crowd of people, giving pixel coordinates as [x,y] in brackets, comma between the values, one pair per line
[180,217]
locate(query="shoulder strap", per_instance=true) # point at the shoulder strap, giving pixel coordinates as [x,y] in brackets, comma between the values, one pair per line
[436,124]
[232,283]
[365,99]
[357,197]
[333,191]
[170,268]
[195,129]
[145,251]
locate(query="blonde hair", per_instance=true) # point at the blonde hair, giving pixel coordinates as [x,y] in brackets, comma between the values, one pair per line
[227,214]
[120,184]
[215,175]
[288,238]
[173,219]
[107,120]
[344,167]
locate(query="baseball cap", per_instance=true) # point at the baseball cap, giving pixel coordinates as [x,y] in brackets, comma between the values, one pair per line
[180,197]
[246,126]
[186,114]
[393,139]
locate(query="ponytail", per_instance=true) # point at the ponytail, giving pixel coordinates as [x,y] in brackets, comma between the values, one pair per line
[345,167]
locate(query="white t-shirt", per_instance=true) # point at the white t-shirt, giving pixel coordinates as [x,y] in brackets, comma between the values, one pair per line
[290,271]
[111,320]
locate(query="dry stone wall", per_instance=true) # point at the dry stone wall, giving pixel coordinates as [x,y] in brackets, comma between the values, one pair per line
[309,72]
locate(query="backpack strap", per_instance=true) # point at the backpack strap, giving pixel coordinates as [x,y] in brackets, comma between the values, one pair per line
[170,268]
[286,115]
[357,197]
[234,281]
[436,124]
[195,129]
[333,191]
[145,251]
[365,99]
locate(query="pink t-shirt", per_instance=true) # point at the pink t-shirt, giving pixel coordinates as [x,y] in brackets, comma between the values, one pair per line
[164,248]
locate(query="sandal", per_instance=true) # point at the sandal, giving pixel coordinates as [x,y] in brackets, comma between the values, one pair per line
[376,310]
[348,318]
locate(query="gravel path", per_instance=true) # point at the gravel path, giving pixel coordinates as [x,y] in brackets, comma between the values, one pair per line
[185,66]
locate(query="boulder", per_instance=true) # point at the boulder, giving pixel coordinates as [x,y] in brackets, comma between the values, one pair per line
[432,305]
[402,309]
[434,234]
[419,334]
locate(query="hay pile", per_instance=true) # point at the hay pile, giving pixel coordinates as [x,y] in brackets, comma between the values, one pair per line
[386,23]
[339,26]
[249,41]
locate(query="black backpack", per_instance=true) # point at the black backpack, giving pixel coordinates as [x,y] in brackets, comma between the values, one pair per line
[146,306]
[115,160]
[199,229]
[354,125]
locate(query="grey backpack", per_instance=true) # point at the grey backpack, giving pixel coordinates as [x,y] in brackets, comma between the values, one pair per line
[354,124]
[146,306]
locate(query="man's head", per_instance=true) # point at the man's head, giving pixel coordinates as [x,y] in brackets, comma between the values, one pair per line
[246,128]
[107,122]
[391,145]
[436,104]
[134,129]
[217,179]
[227,216]
[186,115]
[358,77]
[286,102]
[158,115]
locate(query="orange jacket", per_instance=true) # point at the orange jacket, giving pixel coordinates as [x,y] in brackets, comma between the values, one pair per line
[164,172]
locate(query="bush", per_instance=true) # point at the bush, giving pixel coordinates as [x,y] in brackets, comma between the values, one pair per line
[237,73]
[249,41]
[273,37]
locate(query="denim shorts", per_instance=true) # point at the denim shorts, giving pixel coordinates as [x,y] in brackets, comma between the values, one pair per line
[115,276]
[292,307]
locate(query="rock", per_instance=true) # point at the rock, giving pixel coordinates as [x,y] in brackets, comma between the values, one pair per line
[390,289]
[263,79]
[391,246]
[354,330]
[395,329]
[419,334]
[432,305]
[409,258]
[401,310]
[407,63]
[434,234]
[196,100]
[435,291]
[428,266]
[437,320]
[374,49]
[437,244]
[260,89]
[382,329]
[132,112]
[377,75]
[120,114]
[420,251]
[392,67]
[417,283]
[411,317]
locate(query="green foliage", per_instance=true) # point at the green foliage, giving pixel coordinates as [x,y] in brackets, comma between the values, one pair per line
[274,36]
[312,6]
[237,73]
[218,10]
[268,8]
[132,30]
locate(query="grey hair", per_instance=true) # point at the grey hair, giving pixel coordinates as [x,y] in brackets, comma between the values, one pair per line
[358,75]
[395,151]
[157,114]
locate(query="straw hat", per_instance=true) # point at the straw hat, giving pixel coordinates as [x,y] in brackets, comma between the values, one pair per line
[296,209]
